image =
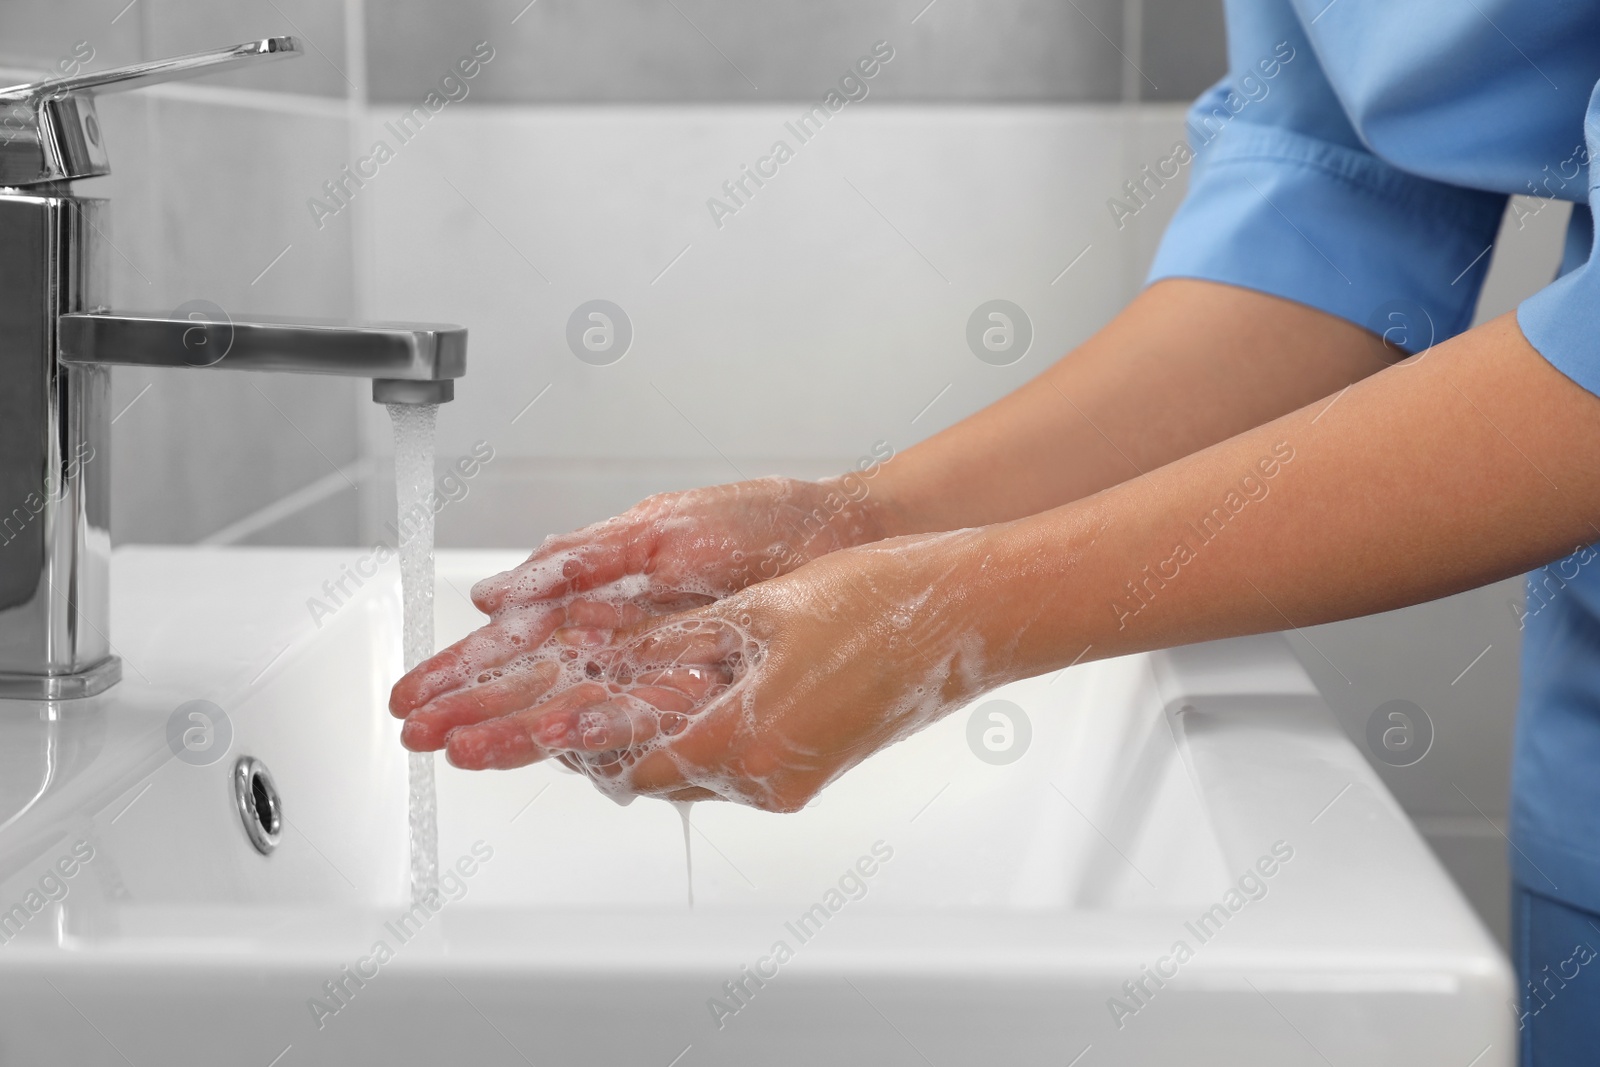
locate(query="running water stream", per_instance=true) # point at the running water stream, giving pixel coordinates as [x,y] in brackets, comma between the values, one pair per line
[683,807]
[413,471]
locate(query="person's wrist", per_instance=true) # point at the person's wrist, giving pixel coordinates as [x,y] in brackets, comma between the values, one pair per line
[886,510]
[887,504]
[1024,589]
[983,598]
[873,517]
[937,588]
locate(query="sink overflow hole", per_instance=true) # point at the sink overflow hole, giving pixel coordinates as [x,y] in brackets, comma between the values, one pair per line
[259,807]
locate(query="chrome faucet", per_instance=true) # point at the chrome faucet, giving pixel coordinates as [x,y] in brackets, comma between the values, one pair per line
[57,341]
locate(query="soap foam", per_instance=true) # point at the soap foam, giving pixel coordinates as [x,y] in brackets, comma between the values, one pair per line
[633,697]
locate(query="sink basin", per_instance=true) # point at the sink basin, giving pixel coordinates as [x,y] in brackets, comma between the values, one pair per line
[935,906]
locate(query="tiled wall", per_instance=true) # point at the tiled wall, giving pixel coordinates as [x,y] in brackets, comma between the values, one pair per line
[826,314]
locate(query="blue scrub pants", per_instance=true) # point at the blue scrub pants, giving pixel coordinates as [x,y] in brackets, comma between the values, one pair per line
[1556,949]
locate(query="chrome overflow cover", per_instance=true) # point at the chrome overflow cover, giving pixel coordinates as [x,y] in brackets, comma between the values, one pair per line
[259,807]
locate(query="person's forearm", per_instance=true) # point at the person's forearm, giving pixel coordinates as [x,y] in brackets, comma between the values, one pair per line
[1185,365]
[1472,463]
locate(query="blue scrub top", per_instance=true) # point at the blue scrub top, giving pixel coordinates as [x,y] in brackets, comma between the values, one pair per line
[1358,158]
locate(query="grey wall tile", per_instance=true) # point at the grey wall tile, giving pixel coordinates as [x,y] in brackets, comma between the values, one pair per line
[175,27]
[1527,254]
[1020,51]
[1476,859]
[330,522]
[564,51]
[133,223]
[1183,49]
[215,194]
[234,184]
[203,449]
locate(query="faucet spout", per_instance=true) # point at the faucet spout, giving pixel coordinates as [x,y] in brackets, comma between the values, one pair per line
[408,362]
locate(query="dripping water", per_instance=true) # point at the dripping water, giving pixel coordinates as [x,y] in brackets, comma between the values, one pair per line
[683,807]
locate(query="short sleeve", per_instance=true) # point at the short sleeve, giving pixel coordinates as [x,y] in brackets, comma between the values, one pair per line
[1562,320]
[1285,199]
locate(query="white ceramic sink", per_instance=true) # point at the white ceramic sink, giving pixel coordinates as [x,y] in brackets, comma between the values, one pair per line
[1017,902]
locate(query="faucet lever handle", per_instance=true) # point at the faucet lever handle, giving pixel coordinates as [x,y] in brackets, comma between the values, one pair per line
[49,131]
[138,75]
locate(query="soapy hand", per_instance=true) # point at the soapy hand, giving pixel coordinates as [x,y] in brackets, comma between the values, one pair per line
[763,697]
[667,553]
[677,549]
